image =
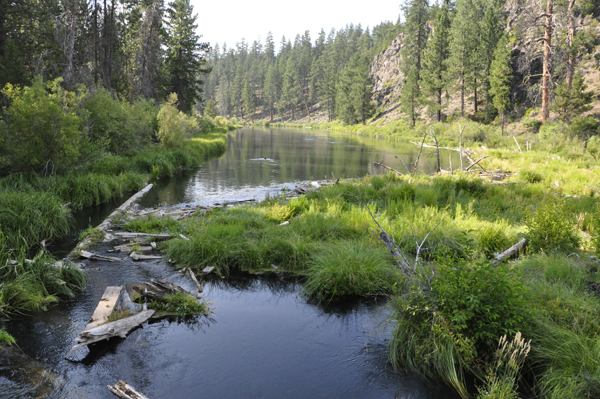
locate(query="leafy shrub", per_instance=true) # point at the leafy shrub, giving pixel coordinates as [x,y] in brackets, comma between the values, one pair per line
[174,125]
[45,129]
[551,228]
[480,301]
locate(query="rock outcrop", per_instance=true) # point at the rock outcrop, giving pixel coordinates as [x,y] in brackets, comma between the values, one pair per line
[387,76]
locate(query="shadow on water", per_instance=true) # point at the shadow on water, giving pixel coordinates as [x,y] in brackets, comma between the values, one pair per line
[263,339]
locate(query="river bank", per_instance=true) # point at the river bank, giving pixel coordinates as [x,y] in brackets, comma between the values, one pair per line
[448,227]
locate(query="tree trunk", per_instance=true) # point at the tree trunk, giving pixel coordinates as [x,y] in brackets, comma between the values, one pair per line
[475,94]
[462,94]
[571,38]
[546,62]
[70,45]
[439,101]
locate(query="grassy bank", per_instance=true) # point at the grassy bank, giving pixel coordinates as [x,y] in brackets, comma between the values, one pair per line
[452,310]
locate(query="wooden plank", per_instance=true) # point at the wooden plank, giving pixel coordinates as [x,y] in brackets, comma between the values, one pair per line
[119,328]
[125,391]
[130,247]
[105,307]
[157,237]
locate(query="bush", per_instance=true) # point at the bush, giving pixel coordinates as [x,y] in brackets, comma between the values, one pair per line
[174,125]
[551,228]
[532,124]
[45,129]
[583,126]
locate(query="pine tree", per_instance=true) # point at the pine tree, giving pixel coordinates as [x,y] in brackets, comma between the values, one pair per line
[210,110]
[185,55]
[355,91]
[435,59]
[500,78]
[570,102]
[410,98]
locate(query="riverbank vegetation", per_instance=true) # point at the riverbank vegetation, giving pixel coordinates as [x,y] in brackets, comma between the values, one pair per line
[453,306]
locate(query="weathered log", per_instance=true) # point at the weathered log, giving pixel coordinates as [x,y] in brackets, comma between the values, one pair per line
[189,273]
[135,256]
[155,289]
[208,269]
[184,237]
[130,247]
[510,251]
[105,307]
[93,256]
[119,328]
[133,236]
[125,391]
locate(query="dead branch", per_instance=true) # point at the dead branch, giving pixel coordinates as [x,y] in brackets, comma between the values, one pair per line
[387,167]
[403,163]
[476,162]
[419,155]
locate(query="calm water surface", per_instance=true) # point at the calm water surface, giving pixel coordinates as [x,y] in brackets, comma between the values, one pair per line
[264,339]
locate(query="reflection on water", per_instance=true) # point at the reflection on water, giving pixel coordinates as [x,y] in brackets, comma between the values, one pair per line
[260,162]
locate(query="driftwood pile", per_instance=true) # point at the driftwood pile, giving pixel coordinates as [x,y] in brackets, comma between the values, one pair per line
[125,391]
[119,298]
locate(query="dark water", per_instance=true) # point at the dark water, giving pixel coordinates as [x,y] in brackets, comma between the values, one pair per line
[264,339]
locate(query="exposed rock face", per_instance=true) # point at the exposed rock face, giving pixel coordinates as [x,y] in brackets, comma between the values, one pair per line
[387,77]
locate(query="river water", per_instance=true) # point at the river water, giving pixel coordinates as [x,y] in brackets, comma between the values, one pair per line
[264,338]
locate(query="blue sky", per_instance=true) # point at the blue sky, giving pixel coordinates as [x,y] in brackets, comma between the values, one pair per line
[230,21]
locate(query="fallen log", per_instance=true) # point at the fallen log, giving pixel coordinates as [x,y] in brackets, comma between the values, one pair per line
[152,290]
[510,252]
[119,328]
[395,252]
[93,256]
[135,256]
[189,273]
[125,391]
[131,247]
[133,236]
[208,269]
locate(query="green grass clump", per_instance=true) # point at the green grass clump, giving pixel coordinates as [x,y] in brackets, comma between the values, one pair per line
[27,218]
[152,225]
[180,303]
[6,338]
[350,268]
[95,236]
[30,286]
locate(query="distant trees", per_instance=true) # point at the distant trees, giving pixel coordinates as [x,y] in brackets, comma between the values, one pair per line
[131,47]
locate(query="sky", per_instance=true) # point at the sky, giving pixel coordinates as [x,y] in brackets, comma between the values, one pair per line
[231,20]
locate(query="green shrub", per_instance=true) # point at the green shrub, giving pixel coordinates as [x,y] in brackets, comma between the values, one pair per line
[551,228]
[180,303]
[583,126]
[532,123]
[45,129]
[174,125]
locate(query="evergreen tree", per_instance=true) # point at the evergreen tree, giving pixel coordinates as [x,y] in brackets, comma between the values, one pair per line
[410,98]
[185,55]
[355,91]
[435,59]
[570,102]
[500,78]
[210,110]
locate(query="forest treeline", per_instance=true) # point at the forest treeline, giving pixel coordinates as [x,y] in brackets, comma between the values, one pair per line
[332,71]
[483,58]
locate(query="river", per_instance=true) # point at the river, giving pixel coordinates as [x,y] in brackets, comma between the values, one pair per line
[264,338]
